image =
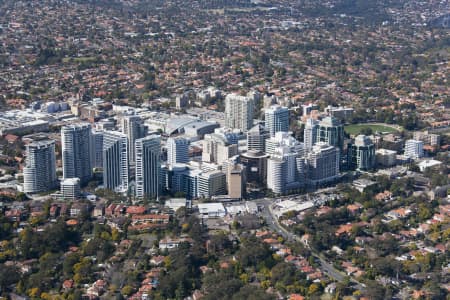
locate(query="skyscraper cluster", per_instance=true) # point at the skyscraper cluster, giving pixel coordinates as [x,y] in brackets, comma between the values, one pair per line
[244,155]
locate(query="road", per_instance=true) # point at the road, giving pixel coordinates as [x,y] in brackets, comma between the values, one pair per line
[274,225]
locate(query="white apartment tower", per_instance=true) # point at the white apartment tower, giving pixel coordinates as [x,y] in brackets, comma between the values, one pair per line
[282,139]
[39,174]
[277,119]
[148,166]
[115,161]
[276,174]
[414,149]
[282,169]
[70,188]
[177,150]
[76,141]
[238,112]
[310,133]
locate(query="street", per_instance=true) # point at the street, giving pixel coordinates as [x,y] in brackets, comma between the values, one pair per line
[274,225]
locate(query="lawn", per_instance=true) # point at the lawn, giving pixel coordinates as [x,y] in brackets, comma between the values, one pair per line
[355,129]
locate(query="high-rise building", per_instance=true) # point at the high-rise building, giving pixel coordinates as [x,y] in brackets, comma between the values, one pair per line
[97,149]
[211,183]
[331,131]
[427,138]
[39,173]
[255,164]
[256,138]
[76,143]
[115,161]
[236,181]
[386,157]
[277,119]
[177,150]
[310,133]
[70,188]
[276,174]
[238,112]
[217,149]
[134,129]
[148,165]
[322,163]
[361,154]
[282,170]
[282,139]
[414,149]
[308,108]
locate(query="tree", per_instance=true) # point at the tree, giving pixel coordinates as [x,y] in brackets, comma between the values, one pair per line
[127,290]
[375,291]
[83,271]
[313,289]
[8,276]
[69,261]
[283,273]
[252,293]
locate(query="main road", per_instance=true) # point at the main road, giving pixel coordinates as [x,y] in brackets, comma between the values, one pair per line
[272,222]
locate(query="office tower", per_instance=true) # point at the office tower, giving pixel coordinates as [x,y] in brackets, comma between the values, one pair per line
[238,112]
[414,149]
[177,150]
[217,149]
[277,119]
[97,149]
[331,131]
[255,164]
[190,183]
[229,163]
[176,178]
[361,154]
[211,183]
[323,164]
[148,165]
[134,129]
[386,157]
[115,161]
[236,181]
[284,139]
[310,133]
[70,188]
[39,173]
[76,143]
[256,138]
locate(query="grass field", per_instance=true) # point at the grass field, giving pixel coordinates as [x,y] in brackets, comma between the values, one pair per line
[355,129]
